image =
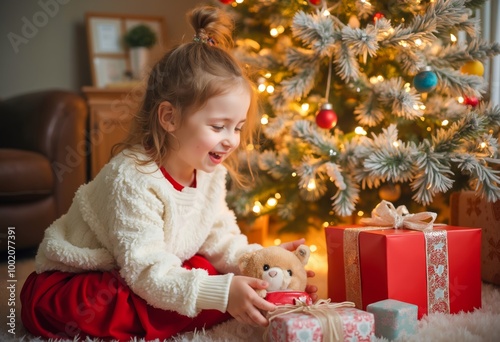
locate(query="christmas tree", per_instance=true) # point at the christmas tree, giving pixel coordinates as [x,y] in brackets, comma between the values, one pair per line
[365,100]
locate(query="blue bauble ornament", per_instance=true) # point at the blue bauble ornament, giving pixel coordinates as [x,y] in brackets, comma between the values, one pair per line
[425,81]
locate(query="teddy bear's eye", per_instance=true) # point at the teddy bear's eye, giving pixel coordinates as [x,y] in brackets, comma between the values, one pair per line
[266,267]
[289,272]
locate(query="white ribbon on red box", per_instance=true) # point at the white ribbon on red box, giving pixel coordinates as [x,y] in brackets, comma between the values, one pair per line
[385,215]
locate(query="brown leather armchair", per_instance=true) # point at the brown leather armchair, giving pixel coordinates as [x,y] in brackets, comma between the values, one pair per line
[43,161]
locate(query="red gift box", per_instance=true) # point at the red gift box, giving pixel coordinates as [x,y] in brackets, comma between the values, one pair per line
[393,265]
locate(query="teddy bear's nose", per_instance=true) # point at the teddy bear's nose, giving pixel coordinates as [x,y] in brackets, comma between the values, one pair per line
[272,274]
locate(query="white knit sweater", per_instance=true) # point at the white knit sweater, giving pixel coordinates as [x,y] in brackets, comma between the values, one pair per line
[132,219]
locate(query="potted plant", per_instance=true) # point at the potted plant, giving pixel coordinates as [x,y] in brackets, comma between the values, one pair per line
[139,40]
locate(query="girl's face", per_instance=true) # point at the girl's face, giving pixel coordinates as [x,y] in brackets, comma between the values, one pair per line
[209,135]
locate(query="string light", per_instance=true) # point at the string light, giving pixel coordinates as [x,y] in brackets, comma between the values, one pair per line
[444,122]
[250,147]
[277,242]
[395,144]
[453,38]
[257,207]
[274,32]
[460,99]
[264,119]
[313,248]
[261,87]
[483,145]
[311,185]
[271,201]
[360,131]
[270,89]
[277,195]
[361,213]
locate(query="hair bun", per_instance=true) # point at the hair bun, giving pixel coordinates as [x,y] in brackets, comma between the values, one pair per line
[211,23]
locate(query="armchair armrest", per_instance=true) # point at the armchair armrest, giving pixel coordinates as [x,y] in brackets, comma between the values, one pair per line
[52,123]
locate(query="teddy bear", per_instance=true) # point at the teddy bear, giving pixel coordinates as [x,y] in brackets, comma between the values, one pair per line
[284,270]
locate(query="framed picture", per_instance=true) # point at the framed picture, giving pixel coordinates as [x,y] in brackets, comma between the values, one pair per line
[109,56]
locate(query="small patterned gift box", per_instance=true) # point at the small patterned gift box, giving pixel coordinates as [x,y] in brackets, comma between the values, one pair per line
[324,324]
[394,319]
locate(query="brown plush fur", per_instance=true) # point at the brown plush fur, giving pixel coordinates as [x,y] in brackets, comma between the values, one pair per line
[282,269]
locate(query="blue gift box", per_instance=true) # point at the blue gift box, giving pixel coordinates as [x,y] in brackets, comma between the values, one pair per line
[394,319]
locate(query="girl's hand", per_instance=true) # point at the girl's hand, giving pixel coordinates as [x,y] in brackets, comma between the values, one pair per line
[291,246]
[312,289]
[244,304]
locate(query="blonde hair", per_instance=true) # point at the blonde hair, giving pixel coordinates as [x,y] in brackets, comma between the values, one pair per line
[188,76]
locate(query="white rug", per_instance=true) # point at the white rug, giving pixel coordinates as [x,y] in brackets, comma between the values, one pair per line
[481,325]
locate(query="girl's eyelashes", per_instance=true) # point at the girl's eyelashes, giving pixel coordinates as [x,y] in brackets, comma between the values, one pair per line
[220,128]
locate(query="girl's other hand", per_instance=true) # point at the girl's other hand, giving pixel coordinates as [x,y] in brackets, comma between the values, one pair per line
[291,246]
[244,304]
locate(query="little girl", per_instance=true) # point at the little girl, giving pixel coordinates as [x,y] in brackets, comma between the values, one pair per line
[149,248]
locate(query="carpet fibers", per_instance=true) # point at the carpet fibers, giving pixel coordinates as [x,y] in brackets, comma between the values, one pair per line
[481,325]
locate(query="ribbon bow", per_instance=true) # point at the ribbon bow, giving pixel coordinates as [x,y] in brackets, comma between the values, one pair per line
[329,319]
[386,215]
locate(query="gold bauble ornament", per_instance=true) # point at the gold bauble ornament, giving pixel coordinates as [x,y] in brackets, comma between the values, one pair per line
[472,68]
[390,192]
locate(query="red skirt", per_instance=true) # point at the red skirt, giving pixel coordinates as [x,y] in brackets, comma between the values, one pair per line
[100,304]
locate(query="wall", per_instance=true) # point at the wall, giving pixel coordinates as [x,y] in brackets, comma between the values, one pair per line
[44,42]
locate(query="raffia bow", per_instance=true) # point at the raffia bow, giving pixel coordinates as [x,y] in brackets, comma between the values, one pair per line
[386,215]
[329,320]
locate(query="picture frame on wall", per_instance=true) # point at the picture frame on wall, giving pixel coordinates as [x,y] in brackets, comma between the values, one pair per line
[109,56]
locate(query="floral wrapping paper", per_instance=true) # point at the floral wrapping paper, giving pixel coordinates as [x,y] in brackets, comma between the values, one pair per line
[357,325]
[394,319]
[469,210]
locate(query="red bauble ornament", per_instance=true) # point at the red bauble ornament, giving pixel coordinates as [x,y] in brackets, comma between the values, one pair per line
[378,16]
[326,117]
[471,101]
[226,2]
[315,2]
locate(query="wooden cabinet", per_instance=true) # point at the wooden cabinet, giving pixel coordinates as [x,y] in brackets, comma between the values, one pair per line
[111,110]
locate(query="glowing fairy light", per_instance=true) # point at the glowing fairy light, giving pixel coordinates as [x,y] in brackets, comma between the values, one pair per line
[264,119]
[277,195]
[453,38]
[305,107]
[395,144]
[325,224]
[313,248]
[277,242]
[416,107]
[311,185]
[422,107]
[361,213]
[267,75]
[261,87]
[294,174]
[270,89]
[274,32]
[326,13]
[360,131]
[418,42]
[483,145]
[444,122]
[250,147]
[271,201]
[460,99]
[257,207]
[422,118]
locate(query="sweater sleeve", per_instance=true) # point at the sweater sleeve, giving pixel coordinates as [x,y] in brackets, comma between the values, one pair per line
[137,237]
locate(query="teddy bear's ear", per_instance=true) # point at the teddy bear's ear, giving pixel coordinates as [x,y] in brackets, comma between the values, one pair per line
[244,259]
[303,252]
